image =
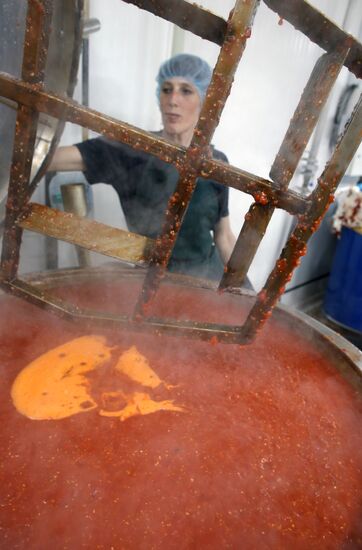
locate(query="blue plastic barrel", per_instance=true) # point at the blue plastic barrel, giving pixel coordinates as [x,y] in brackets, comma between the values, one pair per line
[343,299]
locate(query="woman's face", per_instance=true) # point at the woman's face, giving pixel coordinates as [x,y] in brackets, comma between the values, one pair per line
[180,108]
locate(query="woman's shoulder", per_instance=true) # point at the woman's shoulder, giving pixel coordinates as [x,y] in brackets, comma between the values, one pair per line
[218,155]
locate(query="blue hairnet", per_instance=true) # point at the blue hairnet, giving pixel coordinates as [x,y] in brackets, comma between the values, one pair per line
[192,68]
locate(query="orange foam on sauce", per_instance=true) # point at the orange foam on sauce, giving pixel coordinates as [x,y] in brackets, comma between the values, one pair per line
[135,365]
[55,385]
[141,403]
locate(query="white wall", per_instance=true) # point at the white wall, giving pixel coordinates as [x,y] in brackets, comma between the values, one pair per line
[124,58]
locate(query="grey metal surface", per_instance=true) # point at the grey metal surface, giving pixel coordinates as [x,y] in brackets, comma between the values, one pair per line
[341,353]
[60,77]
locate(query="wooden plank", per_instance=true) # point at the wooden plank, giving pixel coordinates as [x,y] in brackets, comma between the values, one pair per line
[86,233]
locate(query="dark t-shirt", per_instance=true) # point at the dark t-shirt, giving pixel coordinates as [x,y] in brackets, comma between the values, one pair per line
[144,185]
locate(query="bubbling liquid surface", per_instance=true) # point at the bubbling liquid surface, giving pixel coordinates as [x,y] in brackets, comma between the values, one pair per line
[262,448]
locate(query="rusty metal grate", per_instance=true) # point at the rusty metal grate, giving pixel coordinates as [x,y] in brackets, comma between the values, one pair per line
[193,162]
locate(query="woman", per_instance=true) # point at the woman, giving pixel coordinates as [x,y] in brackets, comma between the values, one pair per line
[145,183]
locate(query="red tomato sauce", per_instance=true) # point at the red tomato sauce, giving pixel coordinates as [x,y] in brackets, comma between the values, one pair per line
[265,451]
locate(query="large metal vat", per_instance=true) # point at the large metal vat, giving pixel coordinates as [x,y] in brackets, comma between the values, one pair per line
[247,447]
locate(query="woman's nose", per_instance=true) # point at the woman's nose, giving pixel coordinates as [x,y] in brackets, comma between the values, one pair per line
[173,98]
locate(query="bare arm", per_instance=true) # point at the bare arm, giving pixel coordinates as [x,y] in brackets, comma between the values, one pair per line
[224,238]
[67,159]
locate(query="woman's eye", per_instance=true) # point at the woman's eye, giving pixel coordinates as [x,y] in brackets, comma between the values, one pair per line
[187,91]
[166,90]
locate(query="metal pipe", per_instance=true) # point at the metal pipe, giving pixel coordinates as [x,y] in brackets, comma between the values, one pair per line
[75,201]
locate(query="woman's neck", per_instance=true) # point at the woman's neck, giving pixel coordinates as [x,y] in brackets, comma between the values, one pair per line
[183,139]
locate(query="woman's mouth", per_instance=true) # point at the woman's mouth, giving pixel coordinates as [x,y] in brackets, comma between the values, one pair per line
[173,117]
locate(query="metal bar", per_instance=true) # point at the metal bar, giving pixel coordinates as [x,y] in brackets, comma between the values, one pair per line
[85,64]
[141,140]
[9,103]
[188,16]
[190,329]
[301,127]
[319,29]
[263,190]
[304,17]
[36,41]
[85,80]
[51,245]
[307,224]
[74,50]
[86,233]
[69,110]
[75,202]
[34,58]
[238,31]
[304,120]
[252,232]
[25,135]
